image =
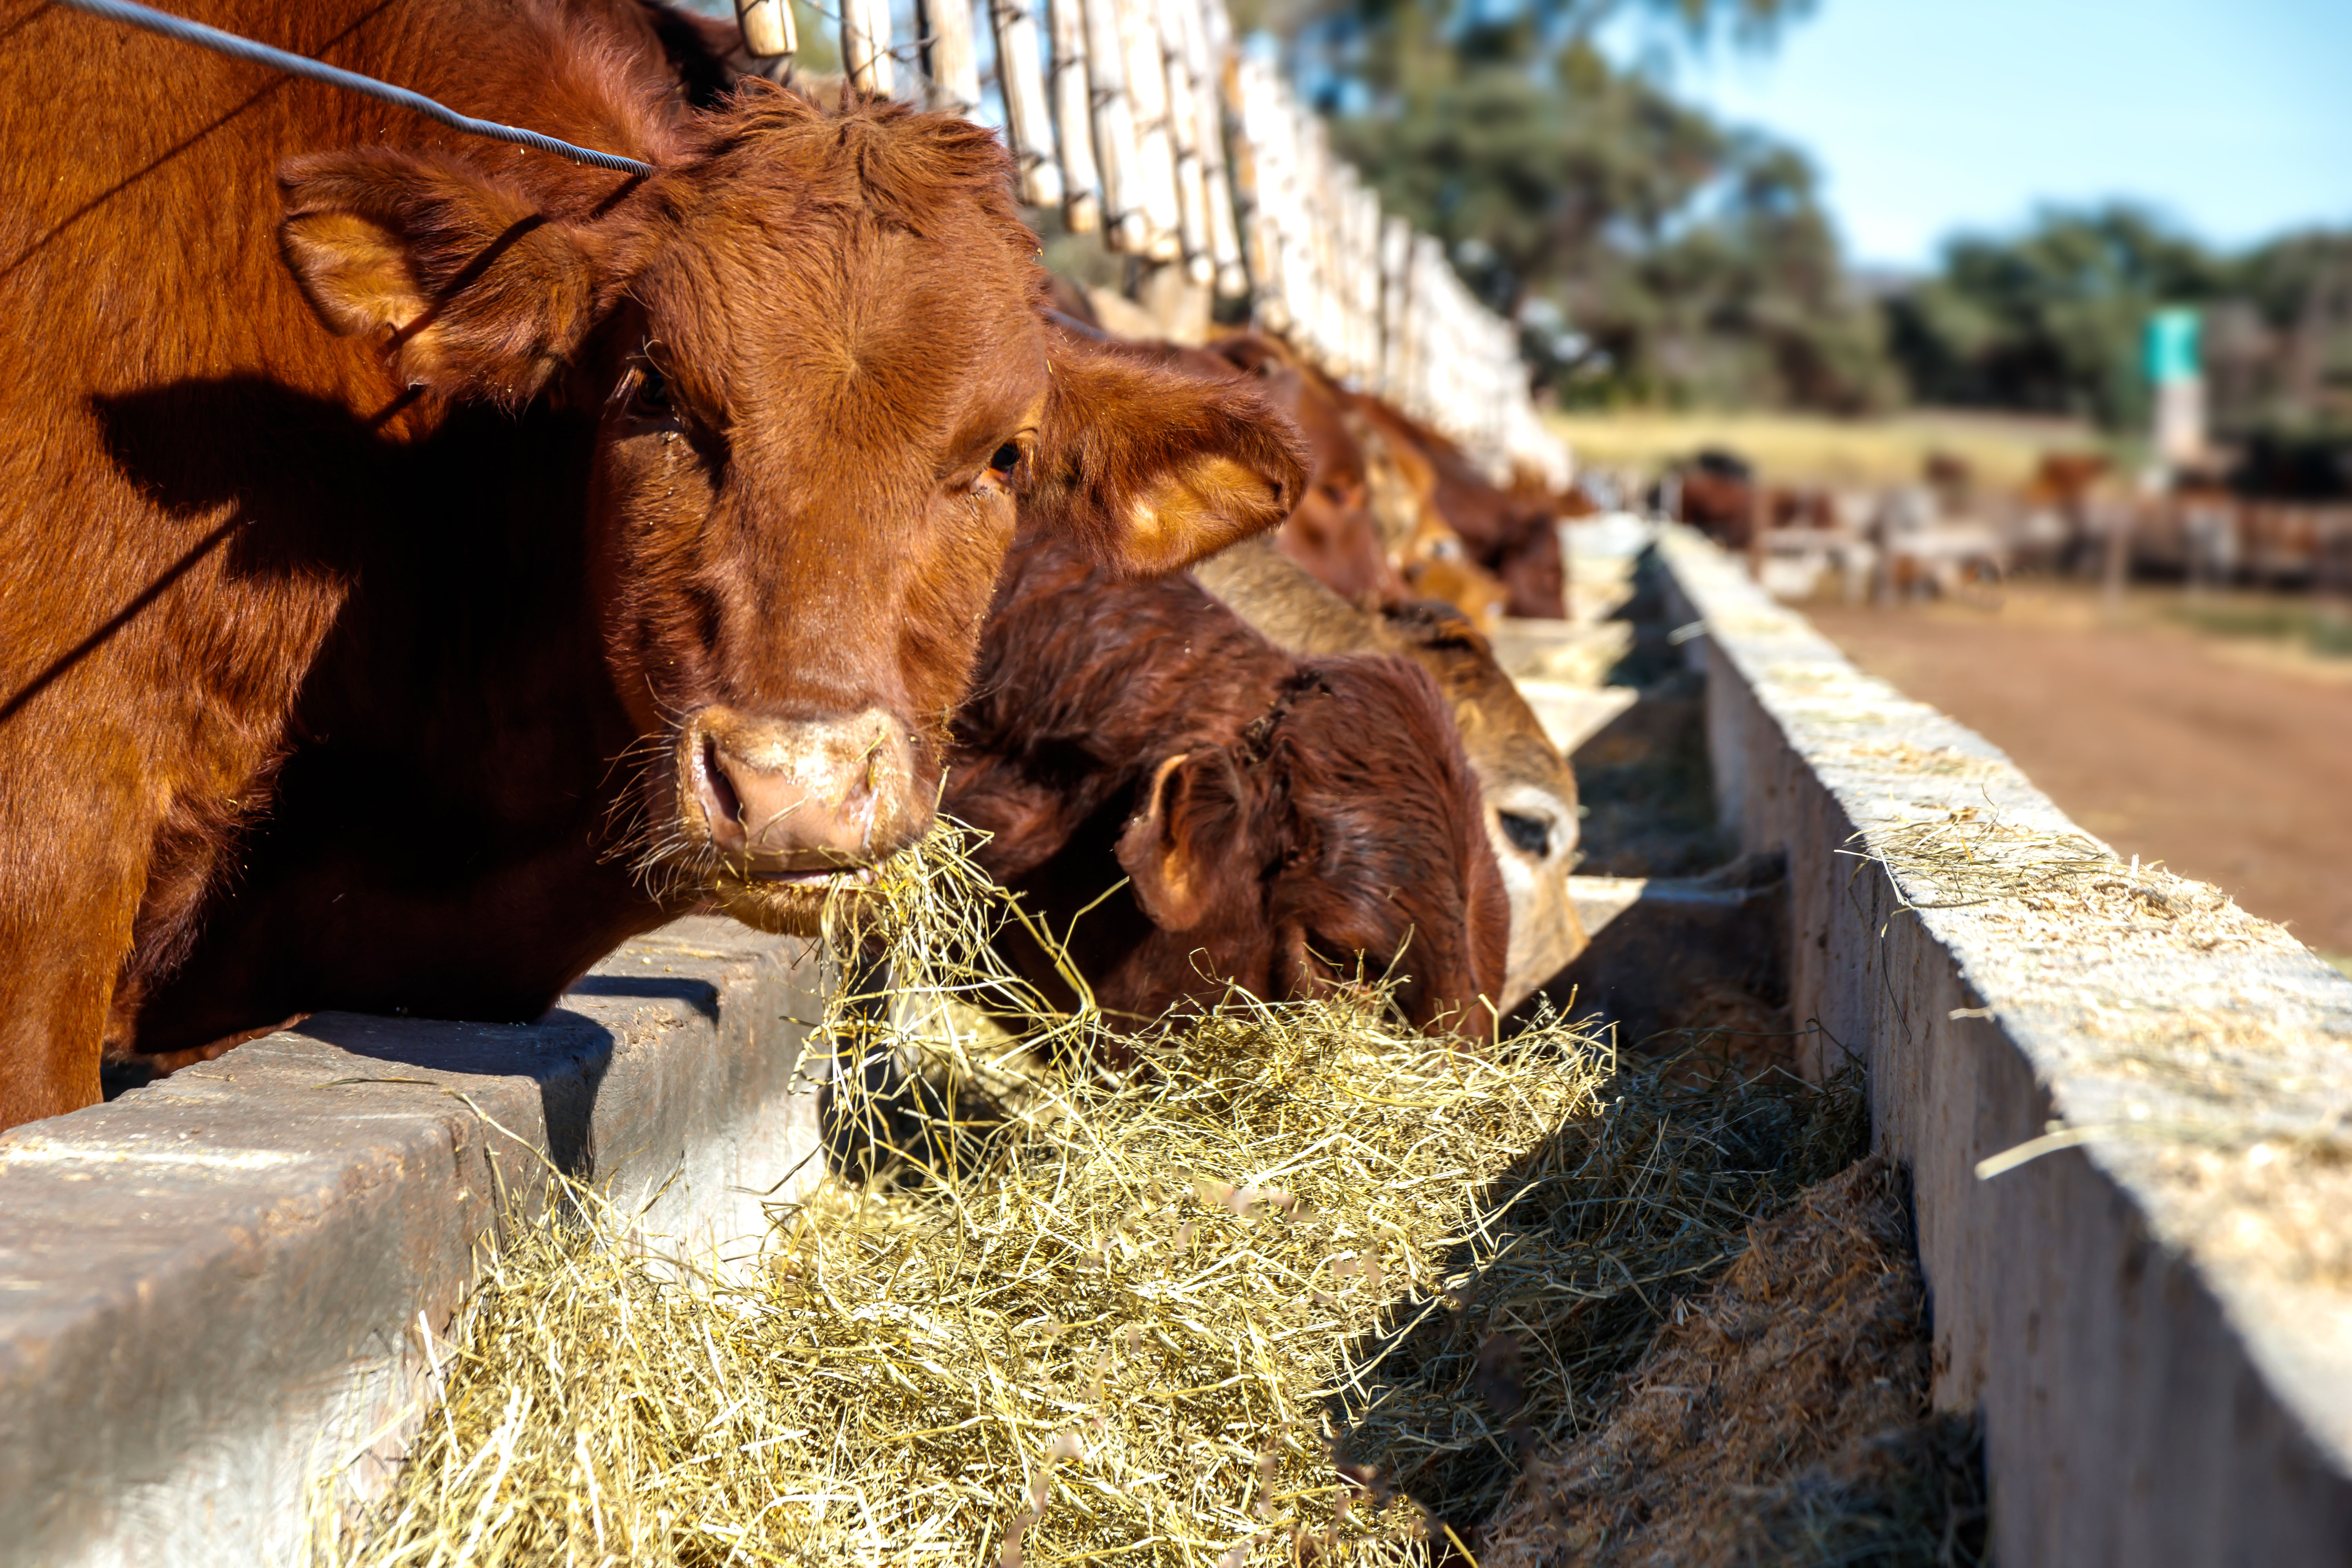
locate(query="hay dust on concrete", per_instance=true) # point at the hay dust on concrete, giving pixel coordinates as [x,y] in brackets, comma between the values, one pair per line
[1300,1283]
[2055,887]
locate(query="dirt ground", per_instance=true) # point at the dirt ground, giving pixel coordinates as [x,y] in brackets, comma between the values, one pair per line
[2228,757]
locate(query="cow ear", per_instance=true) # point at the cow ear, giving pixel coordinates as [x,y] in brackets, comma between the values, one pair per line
[469,289]
[1151,470]
[1173,849]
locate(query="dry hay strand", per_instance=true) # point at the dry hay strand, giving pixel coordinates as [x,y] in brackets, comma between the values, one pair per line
[2052,887]
[1780,1419]
[1970,857]
[1299,1281]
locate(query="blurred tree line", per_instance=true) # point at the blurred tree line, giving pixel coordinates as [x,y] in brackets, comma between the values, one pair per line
[2050,319]
[1651,254]
[1654,254]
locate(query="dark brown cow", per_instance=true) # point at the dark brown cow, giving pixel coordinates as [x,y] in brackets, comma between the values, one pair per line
[426,561]
[1717,493]
[1276,817]
[1530,804]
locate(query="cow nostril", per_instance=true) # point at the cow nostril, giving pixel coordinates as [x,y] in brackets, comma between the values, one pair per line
[720,803]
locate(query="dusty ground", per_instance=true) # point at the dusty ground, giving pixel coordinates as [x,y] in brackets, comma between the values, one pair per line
[2228,757]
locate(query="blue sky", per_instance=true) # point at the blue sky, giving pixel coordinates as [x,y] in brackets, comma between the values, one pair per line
[2235,120]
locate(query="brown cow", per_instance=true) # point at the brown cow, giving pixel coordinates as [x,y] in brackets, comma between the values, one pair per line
[1421,546]
[1276,817]
[1715,492]
[1528,792]
[427,562]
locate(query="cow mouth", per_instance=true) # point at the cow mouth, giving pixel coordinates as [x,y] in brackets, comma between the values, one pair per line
[842,876]
[791,903]
[790,819]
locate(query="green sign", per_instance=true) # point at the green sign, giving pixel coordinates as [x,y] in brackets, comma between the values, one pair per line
[2171,346]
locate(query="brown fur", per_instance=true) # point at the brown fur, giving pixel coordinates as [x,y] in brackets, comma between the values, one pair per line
[1513,536]
[1721,506]
[1334,534]
[1276,817]
[1529,804]
[359,576]
[1421,546]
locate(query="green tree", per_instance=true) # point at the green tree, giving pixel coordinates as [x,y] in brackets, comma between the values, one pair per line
[2052,318]
[1649,253]
[1693,261]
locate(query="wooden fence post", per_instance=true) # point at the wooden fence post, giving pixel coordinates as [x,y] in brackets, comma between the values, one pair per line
[1074,126]
[768,30]
[949,57]
[1021,73]
[865,46]
[1184,141]
[1155,154]
[1206,39]
[1126,225]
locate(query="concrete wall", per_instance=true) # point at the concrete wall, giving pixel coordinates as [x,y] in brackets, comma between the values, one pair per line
[2153,1318]
[214,1291]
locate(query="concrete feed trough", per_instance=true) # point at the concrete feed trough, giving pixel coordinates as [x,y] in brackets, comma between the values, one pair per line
[2119,1101]
[2123,1105]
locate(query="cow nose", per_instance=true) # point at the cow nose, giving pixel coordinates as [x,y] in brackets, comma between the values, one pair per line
[777,796]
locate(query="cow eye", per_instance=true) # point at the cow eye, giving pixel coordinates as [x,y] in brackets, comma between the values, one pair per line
[1007,458]
[653,388]
[1528,835]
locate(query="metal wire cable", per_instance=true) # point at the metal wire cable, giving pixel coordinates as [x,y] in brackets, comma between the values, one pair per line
[213,39]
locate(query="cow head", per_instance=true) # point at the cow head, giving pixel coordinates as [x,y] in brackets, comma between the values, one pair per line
[1340,836]
[1530,805]
[821,393]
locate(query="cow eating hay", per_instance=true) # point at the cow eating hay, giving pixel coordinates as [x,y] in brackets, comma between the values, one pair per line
[1254,1293]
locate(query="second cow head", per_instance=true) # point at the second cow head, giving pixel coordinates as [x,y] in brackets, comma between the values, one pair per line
[1336,841]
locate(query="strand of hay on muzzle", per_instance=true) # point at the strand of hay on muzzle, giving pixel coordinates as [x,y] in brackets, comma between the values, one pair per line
[1303,1280]
[1782,1418]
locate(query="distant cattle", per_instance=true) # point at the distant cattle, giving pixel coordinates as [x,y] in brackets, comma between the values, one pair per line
[1528,792]
[1334,534]
[1717,493]
[1513,536]
[426,562]
[1283,823]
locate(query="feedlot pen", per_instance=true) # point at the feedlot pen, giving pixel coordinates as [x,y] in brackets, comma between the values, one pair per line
[2107,1107]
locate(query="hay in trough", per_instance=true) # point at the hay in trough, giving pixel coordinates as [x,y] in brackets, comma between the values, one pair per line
[1300,1280]
[1782,1418]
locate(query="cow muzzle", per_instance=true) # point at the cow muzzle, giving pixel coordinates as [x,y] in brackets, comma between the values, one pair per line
[800,802]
